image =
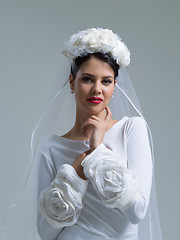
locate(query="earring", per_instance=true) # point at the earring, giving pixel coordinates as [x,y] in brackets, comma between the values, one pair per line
[112,96]
[72,91]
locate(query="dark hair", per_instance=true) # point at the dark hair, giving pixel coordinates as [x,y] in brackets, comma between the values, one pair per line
[102,56]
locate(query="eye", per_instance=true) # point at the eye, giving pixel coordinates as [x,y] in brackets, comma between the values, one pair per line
[107,81]
[87,79]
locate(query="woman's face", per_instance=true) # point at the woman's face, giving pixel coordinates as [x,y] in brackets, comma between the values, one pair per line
[93,86]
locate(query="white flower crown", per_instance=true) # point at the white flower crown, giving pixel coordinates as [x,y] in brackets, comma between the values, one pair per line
[97,40]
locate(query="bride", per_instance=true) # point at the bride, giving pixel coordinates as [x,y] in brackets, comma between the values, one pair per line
[95,180]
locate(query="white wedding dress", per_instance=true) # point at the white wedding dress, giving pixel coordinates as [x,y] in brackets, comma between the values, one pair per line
[114,199]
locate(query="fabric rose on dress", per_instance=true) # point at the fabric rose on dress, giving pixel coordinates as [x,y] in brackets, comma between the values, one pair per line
[97,40]
[113,182]
[61,203]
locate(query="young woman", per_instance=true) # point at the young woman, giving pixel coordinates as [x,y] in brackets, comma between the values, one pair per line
[95,181]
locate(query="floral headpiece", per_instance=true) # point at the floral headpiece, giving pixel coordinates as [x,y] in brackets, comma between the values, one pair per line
[97,40]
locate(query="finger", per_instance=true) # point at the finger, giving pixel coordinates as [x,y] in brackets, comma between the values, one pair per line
[87,152]
[84,154]
[108,115]
[89,123]
[95,118]
[84,128]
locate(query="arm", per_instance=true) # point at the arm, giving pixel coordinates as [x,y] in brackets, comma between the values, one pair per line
[46,174]
[125,187]
[59,198]
[140,161]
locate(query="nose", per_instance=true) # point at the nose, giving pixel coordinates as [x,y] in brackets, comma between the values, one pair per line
[96,89]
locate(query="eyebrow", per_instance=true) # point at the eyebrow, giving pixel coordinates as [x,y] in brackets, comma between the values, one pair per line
[94,76]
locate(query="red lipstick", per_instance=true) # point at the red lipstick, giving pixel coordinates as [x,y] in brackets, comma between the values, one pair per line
[95,100]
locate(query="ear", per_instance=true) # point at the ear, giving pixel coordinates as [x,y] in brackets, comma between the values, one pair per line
[114,83]
[71,81]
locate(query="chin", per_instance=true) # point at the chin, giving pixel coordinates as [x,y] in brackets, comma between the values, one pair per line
[95,111]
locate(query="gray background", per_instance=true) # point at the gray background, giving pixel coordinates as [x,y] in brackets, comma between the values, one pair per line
[32,34]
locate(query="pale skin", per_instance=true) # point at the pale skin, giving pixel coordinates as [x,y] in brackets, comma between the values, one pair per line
[95,78]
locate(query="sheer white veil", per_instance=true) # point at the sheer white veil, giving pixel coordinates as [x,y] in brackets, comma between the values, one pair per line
[58,117]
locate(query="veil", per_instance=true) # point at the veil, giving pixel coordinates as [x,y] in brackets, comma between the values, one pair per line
[58,117]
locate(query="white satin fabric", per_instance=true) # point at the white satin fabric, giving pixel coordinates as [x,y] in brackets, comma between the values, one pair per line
[114,198]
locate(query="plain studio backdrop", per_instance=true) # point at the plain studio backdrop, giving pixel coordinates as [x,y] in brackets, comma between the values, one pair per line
[32,35]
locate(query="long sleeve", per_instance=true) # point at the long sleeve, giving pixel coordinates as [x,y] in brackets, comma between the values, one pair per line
[124,187]
[139,160]
[60,198]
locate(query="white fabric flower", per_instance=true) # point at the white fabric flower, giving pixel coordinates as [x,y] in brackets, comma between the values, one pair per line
[113,182]
[97,40]
[61,203]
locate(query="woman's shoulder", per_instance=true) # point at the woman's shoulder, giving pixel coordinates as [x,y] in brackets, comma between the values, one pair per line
[128,121]
[135,126]
[49,143]
[135,121]
[127,124]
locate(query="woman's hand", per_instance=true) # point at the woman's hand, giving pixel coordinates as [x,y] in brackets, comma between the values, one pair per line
[77,164]
[99,128]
